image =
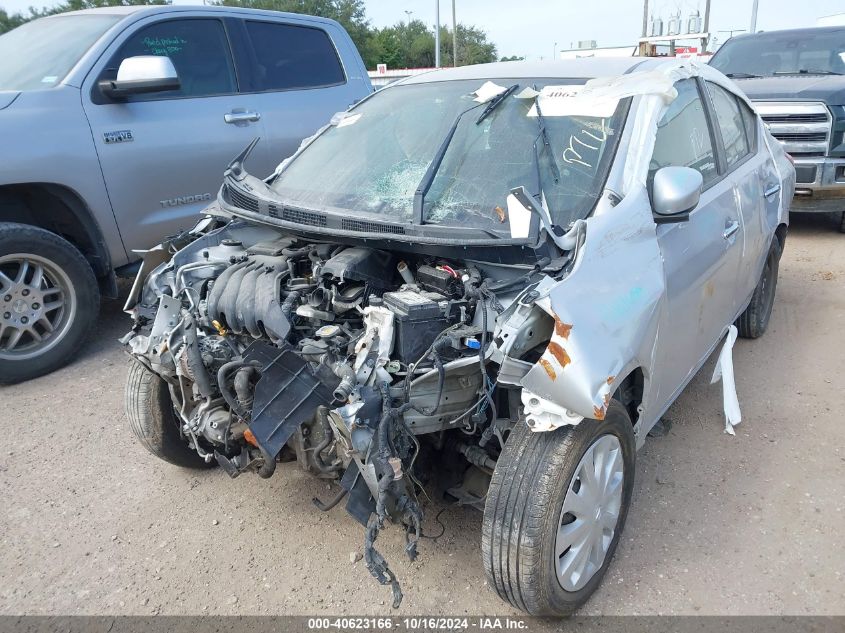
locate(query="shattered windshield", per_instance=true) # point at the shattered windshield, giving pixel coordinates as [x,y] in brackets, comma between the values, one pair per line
[371,162]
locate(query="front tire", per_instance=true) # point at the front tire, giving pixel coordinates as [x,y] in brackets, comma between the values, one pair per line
[555,510]
[153,421]
[752,323]
[49,301]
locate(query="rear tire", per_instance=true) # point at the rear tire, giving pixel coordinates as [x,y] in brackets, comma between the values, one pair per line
[752,323]
[153,421]
[49,301]
[524,520]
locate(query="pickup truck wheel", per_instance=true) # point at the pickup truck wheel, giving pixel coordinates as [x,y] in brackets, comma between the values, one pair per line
[48,301]
[842,222]
[153,421]
[752,323]
[555,509]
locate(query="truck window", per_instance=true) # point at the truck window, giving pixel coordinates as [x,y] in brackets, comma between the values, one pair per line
[731,125]
[289,57]
[198,49]
[786,53]
[683,136]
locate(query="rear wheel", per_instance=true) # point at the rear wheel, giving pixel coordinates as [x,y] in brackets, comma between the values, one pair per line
[48,301]
[153,420]
[752,323]
[555,510]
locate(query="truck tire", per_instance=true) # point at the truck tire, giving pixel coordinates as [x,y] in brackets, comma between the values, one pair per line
[49,301]
[153,421]
[752,323]
[550,529]
[842,222]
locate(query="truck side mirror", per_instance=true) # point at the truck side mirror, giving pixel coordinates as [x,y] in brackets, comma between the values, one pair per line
[675,192]
[140,75]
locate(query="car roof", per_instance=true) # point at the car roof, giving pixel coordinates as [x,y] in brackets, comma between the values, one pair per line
[584,68]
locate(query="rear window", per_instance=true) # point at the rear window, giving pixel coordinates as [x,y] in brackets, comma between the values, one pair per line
[289,57]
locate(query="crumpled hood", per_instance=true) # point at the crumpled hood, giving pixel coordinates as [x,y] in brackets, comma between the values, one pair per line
[7,97]
[827,88]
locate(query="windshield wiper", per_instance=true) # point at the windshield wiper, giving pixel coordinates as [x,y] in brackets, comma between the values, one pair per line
[807,71]
[742,76]
[431,172]
[494,103]
[544,135]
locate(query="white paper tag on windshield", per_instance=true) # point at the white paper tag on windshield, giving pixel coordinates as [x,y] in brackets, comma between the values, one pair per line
[487,91]
[349,119]
[568,101]
[519,217]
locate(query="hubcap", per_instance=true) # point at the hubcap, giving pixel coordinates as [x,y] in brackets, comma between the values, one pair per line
[590,513]
[37,305]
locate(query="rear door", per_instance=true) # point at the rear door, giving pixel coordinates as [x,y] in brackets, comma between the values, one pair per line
[295,76]
[755,186]
[702,255]
[163,154]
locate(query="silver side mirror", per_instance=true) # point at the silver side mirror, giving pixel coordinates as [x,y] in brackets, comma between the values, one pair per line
[142,74]
[675,192]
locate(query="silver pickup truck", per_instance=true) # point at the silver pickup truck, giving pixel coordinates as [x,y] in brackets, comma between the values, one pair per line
[116,127]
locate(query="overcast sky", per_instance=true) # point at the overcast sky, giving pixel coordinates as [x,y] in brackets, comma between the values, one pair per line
[532,27]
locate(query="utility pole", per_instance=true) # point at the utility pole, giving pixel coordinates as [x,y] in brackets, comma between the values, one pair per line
[554,51]
[454,37]
[408,13]
[645,18]
[754,17]
[437,33]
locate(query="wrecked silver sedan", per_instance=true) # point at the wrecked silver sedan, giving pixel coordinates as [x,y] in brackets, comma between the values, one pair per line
[489,281]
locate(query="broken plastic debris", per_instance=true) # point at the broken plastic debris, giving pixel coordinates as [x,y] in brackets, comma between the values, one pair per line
[487,91]
[725,370]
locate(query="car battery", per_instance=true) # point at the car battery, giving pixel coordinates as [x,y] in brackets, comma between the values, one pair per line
[419,318]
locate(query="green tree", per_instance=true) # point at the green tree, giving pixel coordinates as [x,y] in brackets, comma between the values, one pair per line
[11,21]
[512,58]
[473,47]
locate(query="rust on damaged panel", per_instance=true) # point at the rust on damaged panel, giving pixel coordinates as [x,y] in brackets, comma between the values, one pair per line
[559,353]
[549,369]
[562,329]
[598,413]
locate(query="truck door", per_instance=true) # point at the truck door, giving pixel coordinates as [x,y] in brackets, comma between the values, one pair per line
[163,154]
[294,71]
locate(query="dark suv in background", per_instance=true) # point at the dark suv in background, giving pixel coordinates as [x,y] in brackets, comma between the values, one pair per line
[796,79]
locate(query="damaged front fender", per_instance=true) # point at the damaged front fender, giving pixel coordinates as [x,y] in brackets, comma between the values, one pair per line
[604,318]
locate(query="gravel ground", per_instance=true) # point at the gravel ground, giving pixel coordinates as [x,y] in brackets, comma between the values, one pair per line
[751,524]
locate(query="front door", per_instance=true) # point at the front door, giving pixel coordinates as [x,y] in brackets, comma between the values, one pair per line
[163,154]
[702,255]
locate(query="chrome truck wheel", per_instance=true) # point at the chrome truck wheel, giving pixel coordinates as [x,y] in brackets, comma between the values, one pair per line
[48,301]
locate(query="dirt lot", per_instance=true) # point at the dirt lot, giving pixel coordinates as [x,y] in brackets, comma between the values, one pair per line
[751,524]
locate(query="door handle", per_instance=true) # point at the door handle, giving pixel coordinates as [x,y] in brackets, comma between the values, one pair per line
[730,229]
[772,190]
[241,117]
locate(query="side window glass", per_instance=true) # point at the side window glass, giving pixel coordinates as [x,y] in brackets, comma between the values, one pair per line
[290,56]
[198,49]
[749,120]
[683,136]
[731,125]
